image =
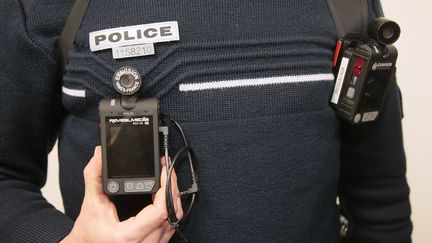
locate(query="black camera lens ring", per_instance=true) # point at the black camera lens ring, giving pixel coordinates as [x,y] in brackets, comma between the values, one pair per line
[388,33]
[384,31]
[127,80]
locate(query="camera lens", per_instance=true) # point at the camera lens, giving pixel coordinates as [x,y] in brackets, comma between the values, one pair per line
[127,81]
[388,33]
[384,31]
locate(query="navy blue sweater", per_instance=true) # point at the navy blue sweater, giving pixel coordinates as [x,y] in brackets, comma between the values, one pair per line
[272,157]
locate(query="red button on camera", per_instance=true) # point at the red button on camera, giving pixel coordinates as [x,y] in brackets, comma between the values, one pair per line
[358,64]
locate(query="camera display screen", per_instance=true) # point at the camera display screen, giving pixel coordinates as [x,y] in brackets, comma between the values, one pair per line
[130,149]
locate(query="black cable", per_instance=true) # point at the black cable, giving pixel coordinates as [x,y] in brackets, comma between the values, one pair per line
[192,190]
[172,217]
[185,142]
[170,202]
[186,214]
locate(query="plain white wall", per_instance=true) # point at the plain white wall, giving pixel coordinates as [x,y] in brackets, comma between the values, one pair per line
[51,190]
[414,75]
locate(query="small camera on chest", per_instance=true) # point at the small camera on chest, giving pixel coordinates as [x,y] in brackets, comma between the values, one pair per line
[133,133]
[363,71]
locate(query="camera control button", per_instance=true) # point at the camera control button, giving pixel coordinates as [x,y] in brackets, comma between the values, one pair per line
[370,116]
[138,185]
[357,118]
[350,93]
[129,186]
[374,115]
[113,187]
[149,185]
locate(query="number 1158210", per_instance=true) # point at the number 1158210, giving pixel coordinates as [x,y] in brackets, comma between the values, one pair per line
[133,51]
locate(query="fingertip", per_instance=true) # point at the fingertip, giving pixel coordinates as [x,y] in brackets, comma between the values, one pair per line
[163,176]
[93,168]
[98,152]
[96,160]
[179,212]
[163,162]
[97,149]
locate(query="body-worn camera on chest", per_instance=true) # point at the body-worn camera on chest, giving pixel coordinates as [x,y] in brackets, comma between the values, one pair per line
[364,70]
[130,138]
[130,128]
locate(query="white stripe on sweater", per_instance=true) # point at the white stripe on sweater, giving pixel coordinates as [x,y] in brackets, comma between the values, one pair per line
[74,92]
[255,82]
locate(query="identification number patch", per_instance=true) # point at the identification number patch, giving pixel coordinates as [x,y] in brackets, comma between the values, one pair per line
[134,35]
[133,51]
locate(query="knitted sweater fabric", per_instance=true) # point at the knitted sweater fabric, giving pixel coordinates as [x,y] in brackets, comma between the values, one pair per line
[273,156]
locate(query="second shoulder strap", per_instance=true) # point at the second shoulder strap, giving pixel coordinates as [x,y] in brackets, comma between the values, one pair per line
[70,29]
[349,16]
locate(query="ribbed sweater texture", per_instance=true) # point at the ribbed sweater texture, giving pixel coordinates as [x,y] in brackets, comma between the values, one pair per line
[272,158]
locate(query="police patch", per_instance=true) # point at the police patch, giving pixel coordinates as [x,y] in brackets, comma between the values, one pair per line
[132,35]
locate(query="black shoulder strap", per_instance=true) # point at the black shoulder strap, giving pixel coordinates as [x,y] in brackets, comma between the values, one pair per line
[70,29]
[349,16]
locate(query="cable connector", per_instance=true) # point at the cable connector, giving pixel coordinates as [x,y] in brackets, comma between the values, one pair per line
[193,188]
[164,130]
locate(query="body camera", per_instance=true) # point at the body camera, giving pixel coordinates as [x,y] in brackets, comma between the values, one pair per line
[130,143]
[363,72]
